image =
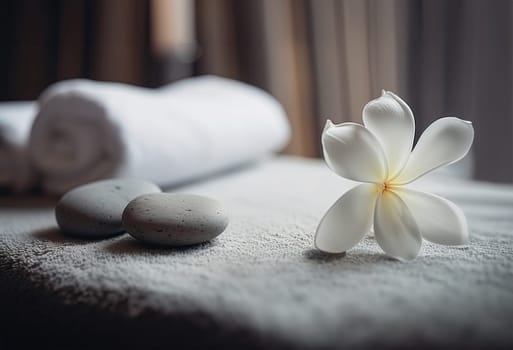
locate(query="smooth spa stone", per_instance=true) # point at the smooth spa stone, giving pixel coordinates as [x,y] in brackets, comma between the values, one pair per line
[174,219]
[94,210]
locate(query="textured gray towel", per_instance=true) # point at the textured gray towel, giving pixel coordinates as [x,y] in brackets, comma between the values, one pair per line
[261,284]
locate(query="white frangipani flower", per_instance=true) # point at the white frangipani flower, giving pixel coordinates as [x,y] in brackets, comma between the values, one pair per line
[379,154]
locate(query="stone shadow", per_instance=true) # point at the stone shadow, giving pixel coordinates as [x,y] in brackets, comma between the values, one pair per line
[353,258]
[130,246]
[55,235]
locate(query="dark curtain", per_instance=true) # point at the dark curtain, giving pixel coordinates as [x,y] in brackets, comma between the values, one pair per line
[116,40]
[462,65]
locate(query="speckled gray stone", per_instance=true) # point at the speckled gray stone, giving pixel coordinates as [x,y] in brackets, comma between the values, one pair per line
[94,210]
[174,219]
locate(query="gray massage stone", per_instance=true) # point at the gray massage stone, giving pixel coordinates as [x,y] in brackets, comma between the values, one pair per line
[174,219]
[94,210]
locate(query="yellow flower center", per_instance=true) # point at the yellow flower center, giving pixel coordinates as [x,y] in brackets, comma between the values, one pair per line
[385,186]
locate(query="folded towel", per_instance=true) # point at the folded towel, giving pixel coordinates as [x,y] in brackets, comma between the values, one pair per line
[16,118]
[88,130]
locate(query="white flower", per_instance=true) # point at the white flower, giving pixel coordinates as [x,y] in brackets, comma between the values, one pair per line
[380,155]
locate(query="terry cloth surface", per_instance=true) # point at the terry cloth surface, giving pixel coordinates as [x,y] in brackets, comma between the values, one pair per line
[261,284]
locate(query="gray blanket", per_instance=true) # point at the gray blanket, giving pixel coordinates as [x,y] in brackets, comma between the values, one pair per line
[260,284]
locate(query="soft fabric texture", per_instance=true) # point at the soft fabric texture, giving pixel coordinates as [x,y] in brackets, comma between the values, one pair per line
[261,284]
[16,172]
[89,130]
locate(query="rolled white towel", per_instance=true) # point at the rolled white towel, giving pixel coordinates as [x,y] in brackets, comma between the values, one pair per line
[16,172]
[88,130]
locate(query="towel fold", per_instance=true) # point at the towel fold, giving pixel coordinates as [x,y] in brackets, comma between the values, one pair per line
[88,130]
[16,172]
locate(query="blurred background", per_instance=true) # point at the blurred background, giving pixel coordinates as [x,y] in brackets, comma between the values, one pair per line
[320,58]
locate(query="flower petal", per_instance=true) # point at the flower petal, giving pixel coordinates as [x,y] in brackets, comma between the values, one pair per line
[353,152]
[348,220]
[439,220]
[395,228]
[391,120]
[445,141]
